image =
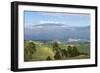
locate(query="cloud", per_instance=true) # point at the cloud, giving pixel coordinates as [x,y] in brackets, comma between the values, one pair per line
[53,22]
[52,14]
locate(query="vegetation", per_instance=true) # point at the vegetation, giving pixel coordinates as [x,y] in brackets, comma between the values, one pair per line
[40,51]
[48,58]
[30,48]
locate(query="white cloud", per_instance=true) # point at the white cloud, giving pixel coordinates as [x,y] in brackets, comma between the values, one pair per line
[55,22]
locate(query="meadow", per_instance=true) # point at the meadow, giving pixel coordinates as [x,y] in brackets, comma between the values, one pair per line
[55,50]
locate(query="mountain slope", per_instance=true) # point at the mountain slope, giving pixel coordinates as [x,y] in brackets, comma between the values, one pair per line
[56,32]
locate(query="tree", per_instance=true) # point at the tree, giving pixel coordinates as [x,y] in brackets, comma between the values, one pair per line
[57,55]
[48,58]
[57,50]
[64,52]
[29,50]
[75,51]
[32,47]
[55,46]
[26,54]
[70,51]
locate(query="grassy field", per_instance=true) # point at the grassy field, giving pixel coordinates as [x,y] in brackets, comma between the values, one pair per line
[49,50]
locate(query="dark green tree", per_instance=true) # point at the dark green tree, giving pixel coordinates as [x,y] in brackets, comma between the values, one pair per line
[70,51]
[75,51]
[57,55]
[64,52]
[29,50]
[32,47]
[57,50]
[55,46]
[48,58]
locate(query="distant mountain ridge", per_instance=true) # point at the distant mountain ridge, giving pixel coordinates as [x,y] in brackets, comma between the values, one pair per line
[49,24]
[57,32]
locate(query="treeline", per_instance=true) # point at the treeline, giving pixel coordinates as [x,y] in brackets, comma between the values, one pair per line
[59,53]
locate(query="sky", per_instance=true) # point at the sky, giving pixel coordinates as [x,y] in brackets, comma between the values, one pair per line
[32,18]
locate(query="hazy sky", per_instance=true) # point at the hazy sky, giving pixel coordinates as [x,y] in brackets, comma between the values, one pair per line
[68,19]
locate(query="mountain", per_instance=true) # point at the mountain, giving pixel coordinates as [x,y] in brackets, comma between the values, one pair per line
[49,24]
[56,32]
